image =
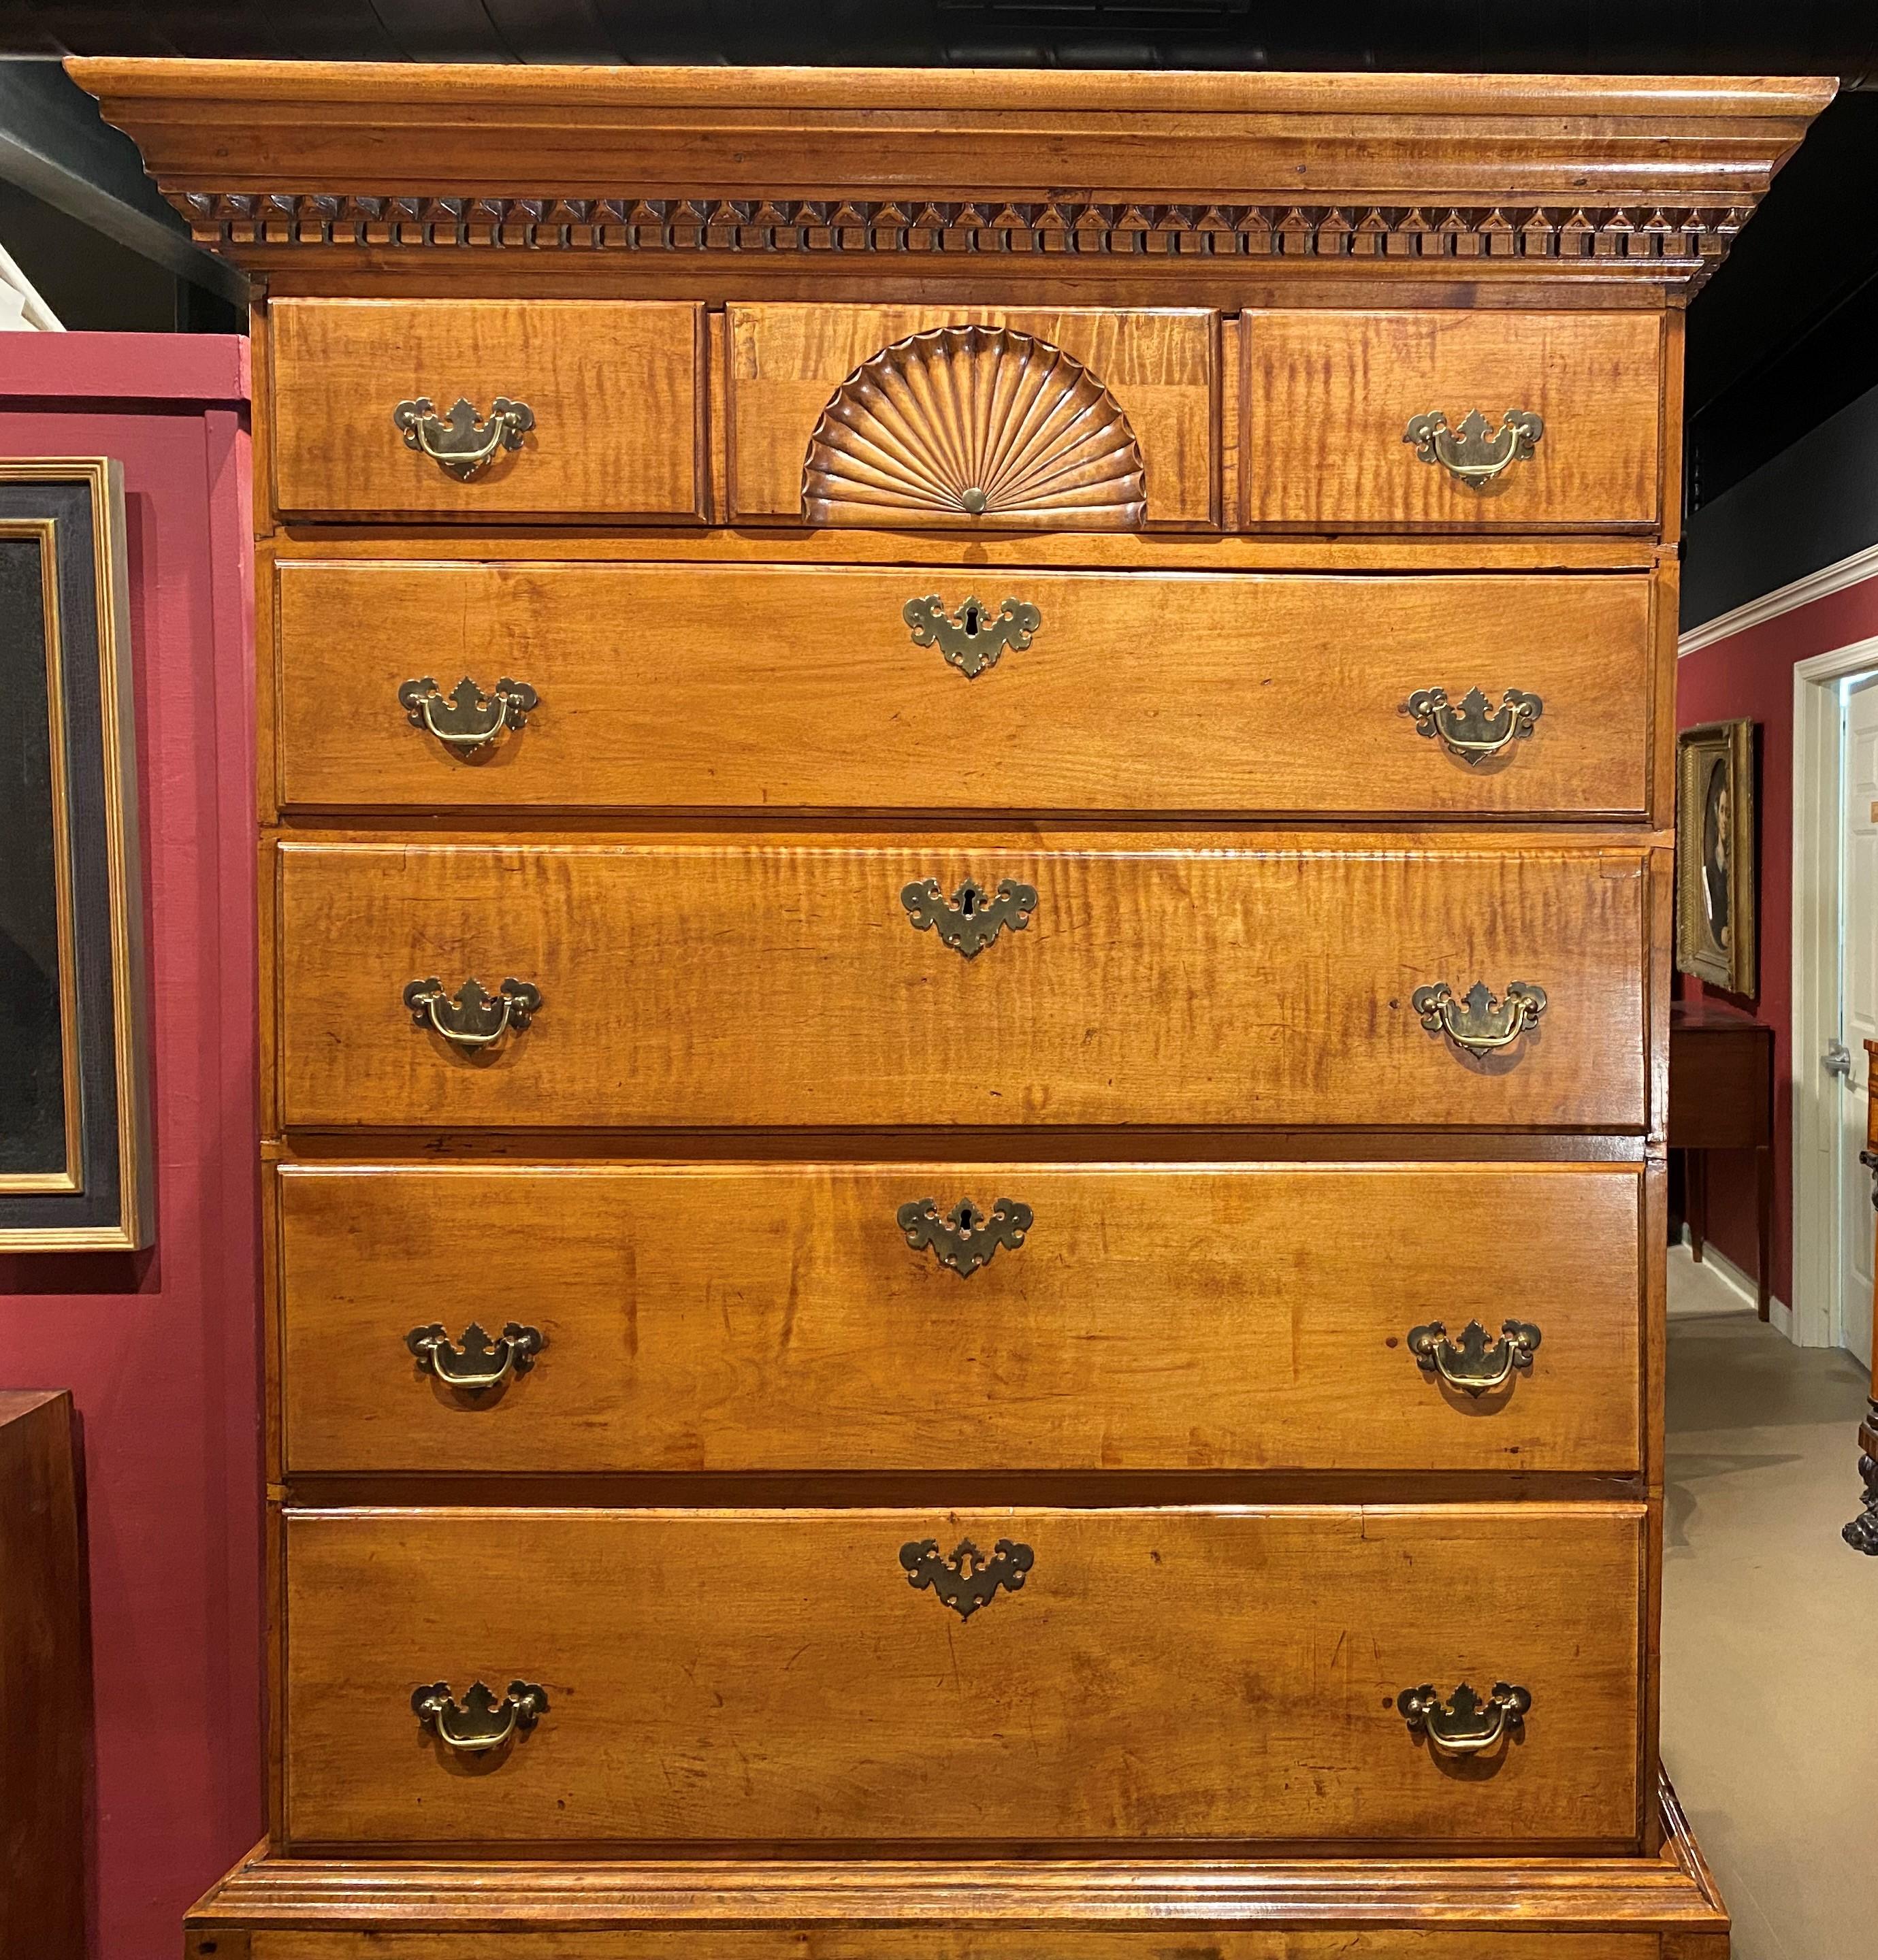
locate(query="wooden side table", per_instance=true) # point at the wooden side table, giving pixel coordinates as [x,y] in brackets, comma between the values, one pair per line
[1721,1098]
[42,1677]
[1862,1533]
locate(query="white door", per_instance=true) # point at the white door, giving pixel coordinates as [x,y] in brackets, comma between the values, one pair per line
[1858,1003]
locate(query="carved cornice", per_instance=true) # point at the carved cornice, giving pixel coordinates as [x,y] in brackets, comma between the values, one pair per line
[1684,238]
[1637,176]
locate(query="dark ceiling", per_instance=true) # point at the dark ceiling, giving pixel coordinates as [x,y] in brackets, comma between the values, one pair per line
[1639,36]
[1785,334]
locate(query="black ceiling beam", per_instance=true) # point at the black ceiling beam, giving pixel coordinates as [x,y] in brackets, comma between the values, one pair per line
[1573,36]
[54,144]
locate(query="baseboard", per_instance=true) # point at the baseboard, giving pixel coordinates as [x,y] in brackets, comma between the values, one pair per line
[1780,1316]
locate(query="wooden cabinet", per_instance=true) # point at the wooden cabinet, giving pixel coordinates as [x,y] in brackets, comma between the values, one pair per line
[967,1002]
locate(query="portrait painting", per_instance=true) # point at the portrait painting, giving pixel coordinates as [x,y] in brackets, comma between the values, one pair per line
[1714,855]
[73,1155]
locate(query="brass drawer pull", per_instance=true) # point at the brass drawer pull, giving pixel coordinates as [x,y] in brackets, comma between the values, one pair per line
[473,1017]
[966,1237]
[971,918]
[482,1723]
[1475,453]
[479,1364]
[972,638]
[1464,1725]
[968,1579]
[461,443]
[467,720]
[1474,1364]
[1482,1022]
[1473,729]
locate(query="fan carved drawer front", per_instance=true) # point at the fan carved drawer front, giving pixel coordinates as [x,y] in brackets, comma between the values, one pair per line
[560,410]
[1455,1675]
[1452,420]
[956,687]
[947,1316]
[1143,978]
[1090,419]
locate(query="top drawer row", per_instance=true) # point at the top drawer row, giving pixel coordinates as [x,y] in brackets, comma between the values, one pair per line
[891,417]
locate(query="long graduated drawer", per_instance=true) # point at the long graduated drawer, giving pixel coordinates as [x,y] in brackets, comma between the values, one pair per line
[729,1317]
[999,980]
[1162,1676]
[428,686]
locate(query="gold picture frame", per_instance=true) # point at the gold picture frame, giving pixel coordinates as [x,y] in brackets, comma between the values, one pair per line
[75,1159]
[1715,922]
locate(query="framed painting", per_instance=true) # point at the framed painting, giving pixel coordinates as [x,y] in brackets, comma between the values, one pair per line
[1715,890]
[75,1146]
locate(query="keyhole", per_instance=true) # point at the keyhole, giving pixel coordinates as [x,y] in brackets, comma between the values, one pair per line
[971,621]
[968,1216]
[968,904]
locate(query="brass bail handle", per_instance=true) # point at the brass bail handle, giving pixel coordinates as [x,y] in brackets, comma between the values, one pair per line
[1474,1364]
[477,1363]
[462,443]
[480,1724]
[472,1017]
[466,719]
[1476,453]
[1472,728]
[1480,1021]
[1465,1725]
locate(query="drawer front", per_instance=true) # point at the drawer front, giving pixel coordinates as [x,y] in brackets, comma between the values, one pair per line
[792,982]
[770,687]
[808,1676]
[782,1317]
[1328,398]
[614,390]
[1123,435]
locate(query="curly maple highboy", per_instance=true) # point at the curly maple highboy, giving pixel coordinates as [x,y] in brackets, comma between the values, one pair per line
[965,796]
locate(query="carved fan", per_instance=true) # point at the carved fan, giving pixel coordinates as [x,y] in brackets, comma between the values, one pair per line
[965,423]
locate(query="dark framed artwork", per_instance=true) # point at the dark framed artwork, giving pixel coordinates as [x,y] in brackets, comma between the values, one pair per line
[75,1146]
[1715,883]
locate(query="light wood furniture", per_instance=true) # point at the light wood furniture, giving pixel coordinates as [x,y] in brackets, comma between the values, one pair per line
[967,896]
[1721,1098]
[45,1741]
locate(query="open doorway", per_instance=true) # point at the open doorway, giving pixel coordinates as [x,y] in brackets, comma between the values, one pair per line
[1835,990]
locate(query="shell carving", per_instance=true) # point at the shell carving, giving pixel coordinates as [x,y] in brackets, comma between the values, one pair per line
[964,425]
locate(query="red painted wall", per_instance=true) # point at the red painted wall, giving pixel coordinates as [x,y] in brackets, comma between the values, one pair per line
[1751,673]
[161,1348]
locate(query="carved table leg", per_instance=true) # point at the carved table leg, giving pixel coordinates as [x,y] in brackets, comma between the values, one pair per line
[1862,1533]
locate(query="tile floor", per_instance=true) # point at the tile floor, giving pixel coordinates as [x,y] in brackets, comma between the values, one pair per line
[1770,1627]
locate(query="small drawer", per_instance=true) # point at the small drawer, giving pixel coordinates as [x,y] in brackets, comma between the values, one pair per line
[974,418]
[1023,1676]
[605,420]
[943,687]
[786,1317]
[799,980]
[1336,434]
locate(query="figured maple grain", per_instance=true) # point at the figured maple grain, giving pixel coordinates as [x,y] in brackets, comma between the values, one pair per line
[1328,395]
[1164,1675]
[782,687]
[786,363]
[739,1317]
[950,1942]
[781,982]
[616,390]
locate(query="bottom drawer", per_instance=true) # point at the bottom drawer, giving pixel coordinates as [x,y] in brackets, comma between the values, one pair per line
[1165,1676]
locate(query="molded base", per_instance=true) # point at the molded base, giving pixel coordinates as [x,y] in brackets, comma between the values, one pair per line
[1510,1908]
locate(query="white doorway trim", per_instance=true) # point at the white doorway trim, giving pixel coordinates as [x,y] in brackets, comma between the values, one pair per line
[1819,1318]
